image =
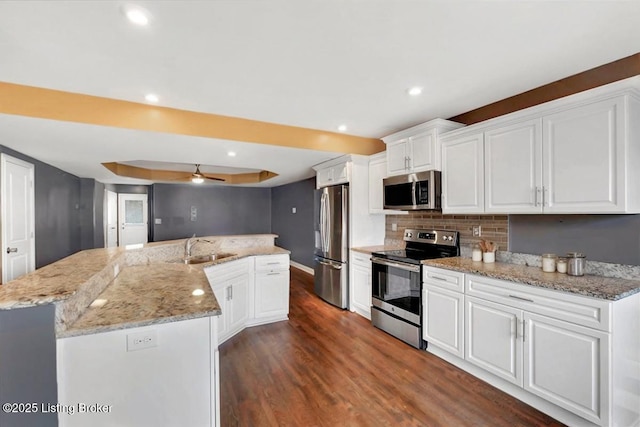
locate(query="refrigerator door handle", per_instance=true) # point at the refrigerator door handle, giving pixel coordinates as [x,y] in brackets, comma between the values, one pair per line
[327,206]
[330,264]
[323,239]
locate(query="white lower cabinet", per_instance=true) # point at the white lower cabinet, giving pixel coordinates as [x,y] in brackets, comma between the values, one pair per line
[573,357]
[233,297]
[271,287]
[492,340]
[251,291]
[360,281]
[567,364]
[230,283]
[443,310]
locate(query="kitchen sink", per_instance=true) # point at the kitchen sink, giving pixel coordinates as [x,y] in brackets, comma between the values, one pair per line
[200,259]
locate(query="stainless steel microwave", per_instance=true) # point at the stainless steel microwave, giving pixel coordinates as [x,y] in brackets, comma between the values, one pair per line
[414,191]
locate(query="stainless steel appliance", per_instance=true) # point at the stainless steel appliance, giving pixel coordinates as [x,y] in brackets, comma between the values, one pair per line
[415,191]
[331,280]
[396,294]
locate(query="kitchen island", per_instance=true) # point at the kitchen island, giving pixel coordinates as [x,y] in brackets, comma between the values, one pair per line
[135,333]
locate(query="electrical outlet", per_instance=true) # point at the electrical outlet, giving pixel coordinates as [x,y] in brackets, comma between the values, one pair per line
[142,340]
[394,226]
[477,231]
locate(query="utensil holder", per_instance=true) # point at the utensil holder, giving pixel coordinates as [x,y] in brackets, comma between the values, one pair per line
[488,257]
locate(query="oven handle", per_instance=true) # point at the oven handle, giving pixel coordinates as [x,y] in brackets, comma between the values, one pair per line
[408,267]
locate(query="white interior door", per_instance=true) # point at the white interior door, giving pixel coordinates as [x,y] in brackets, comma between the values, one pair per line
[111,219]
[18,217]
[132,219]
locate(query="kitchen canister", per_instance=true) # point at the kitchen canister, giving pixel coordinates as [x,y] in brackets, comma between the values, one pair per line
[476,253]
[575,263]
[561,265]
[549,263]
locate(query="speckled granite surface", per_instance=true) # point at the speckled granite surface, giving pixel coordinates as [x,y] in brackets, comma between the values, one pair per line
[76,281]
[148,294]
[608,288]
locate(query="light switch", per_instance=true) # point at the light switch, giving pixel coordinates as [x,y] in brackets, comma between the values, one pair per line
[194,213]
[293,210]
[394,226]
[158,221]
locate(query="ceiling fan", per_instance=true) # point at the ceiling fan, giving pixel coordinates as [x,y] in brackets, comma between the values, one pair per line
[198,177]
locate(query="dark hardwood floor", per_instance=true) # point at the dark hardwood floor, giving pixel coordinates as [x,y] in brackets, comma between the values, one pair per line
[330,367]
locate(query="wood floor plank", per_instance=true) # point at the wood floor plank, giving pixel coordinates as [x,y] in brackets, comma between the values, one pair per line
[327,367]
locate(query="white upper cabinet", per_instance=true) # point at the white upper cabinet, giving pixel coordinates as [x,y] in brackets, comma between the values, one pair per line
[332,175]
[377,173]
[513,168]
[584,159]
[579,154]
[463,174]
[416,149]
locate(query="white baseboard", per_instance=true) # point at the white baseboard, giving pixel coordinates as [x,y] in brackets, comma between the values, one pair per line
[302,267]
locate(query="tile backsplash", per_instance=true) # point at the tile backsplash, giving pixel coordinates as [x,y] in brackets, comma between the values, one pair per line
[493,227]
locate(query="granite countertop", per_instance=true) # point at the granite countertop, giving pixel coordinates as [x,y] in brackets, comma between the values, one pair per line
[378,248]
[145,285]
[148,294]
[58,281]
[607,288]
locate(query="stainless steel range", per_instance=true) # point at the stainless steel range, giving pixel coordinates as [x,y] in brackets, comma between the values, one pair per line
[397,282]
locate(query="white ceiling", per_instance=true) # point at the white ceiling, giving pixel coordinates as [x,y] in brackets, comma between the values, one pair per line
[309,63]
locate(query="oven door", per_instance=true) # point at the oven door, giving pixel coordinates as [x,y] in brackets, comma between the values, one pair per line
[396,288]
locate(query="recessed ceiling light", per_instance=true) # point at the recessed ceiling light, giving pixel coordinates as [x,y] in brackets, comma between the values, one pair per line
[231,154]
[414,91]
[151,97]
[342,128]
[197,292]
[136,14]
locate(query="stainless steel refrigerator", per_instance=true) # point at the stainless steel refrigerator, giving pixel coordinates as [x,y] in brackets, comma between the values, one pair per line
[332,244]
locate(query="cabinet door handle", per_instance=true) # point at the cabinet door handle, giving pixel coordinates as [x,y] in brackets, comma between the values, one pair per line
[524,328]
[273,263]
[520,298]
[544,196]
[536,191]
[517,324]
[438,278]
[273,274]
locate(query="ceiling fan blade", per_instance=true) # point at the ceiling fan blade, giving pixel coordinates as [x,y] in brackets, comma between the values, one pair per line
[213,178]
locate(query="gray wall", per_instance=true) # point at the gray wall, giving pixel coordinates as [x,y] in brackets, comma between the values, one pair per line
[28,364]
[606,238]
[57,218]
[221,210]
[295,231]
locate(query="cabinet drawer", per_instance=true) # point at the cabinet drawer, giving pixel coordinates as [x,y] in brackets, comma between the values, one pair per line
[272,262]
[446,279]
[361,259]
[580,310]
[225,271]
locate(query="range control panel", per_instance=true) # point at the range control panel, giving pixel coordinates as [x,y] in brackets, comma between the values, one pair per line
[434,237]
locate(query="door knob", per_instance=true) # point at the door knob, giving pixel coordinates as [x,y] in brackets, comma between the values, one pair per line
[9,250]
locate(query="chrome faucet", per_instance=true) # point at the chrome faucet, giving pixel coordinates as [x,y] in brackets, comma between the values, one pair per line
[190,243]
